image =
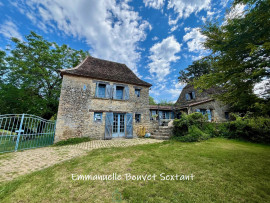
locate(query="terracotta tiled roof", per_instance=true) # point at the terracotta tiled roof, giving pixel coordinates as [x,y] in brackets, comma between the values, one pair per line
[105,70]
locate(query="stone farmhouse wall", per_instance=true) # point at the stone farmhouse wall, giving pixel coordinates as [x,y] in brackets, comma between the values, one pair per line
[78,103]
[202,100]
[217,110]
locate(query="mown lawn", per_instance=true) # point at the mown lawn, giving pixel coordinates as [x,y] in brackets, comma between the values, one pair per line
[224,170]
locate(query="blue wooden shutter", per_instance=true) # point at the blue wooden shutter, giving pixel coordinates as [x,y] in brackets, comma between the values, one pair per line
[108,91]
[108,125]
[96,93]
[187,96]
[209,114]
[172,115]
[160,114]
[126,93]
[197,110]
[129,126]
[193,95]
[114,91]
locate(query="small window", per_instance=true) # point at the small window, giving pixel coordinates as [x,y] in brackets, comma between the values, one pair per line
[119,92]
[101,90]
[190,96]
[138,92]
[98,116]
[137,118]
[227,115]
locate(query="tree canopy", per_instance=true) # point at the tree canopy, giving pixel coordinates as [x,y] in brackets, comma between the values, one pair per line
[29,78]
[240,56]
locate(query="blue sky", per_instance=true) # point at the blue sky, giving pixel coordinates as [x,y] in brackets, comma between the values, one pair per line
[155,38]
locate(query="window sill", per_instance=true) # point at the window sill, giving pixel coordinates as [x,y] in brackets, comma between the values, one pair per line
[110,99]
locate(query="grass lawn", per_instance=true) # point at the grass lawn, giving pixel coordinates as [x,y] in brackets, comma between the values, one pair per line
[224,170]
[8,143]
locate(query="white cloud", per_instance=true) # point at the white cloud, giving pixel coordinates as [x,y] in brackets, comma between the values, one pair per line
[174,28]
[237,11]
[176,90]
[156,4]
[194,39]
[162,54]
[8,29]
[111,29]
[184,8]
[155,38]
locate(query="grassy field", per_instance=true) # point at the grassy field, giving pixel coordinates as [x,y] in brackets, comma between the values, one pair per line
[8,143]
[224,171]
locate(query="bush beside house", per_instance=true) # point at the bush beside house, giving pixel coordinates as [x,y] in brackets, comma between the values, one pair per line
[194,127]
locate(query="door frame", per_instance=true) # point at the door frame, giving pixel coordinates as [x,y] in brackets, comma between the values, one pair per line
[119,134]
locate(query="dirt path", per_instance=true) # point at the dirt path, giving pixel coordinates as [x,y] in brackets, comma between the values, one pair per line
[15,164]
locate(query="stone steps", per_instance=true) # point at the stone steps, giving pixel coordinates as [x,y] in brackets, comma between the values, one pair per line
[163,133]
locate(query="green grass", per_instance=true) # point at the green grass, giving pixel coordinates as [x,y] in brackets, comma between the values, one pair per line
[72,141]
[7,143]
[224,170]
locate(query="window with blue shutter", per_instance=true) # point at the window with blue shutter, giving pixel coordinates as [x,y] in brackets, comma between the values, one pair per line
[187,97]
[129,125]
[193,95]
[137,92]
[209,114]
[108,91]
[126,93]
[119,92]
[108,125]
[100,90]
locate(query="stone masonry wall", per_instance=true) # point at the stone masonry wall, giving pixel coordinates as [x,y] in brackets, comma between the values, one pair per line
[218,110]
[78,103]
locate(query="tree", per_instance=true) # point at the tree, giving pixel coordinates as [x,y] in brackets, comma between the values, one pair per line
[165,102]
[240,55]
[31,81]
[152,101]
[196,70]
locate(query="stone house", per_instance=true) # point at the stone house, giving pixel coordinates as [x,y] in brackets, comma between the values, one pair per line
[163,114]
[102,100]
[191,100]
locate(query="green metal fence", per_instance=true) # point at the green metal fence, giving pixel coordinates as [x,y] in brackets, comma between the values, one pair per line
[24,131]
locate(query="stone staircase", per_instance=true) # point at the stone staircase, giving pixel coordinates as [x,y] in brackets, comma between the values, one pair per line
[162,133]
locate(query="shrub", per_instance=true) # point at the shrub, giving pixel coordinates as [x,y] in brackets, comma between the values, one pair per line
[192,128]
[254,129]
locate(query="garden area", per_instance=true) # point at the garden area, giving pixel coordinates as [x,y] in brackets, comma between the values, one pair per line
[224,171]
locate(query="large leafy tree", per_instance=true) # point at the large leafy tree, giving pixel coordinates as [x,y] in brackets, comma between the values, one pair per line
[30,79]
[240,55]
[195,70]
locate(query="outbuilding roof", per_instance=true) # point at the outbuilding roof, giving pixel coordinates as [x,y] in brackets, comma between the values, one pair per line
[105,70]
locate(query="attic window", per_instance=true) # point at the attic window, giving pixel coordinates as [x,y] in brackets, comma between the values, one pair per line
[190,95]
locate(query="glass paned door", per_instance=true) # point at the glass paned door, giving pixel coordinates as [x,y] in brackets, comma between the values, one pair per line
[118,125]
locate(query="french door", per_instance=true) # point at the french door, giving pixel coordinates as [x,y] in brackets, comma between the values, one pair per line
[118,125]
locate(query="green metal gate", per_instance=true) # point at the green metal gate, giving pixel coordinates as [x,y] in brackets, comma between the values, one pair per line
[24,131]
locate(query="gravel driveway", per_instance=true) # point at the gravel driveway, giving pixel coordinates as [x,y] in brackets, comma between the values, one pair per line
[15,164]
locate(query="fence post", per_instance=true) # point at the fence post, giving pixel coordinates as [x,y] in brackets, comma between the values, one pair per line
[19,133]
